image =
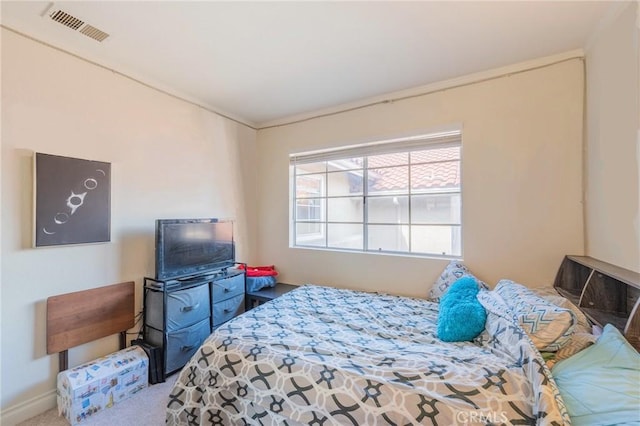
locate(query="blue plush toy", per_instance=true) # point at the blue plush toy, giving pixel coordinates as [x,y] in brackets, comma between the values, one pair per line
[461,317]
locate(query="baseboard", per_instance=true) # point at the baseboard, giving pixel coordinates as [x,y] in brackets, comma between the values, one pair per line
[27,409]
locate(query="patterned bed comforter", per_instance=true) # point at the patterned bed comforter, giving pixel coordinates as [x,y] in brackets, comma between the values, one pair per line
[324,356]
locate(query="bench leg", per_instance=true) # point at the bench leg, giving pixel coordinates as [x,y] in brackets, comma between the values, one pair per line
[63,360]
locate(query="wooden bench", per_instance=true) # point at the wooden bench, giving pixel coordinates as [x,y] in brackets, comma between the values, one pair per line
[83,316]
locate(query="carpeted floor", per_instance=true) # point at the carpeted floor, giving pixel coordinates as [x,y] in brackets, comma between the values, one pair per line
[146,408]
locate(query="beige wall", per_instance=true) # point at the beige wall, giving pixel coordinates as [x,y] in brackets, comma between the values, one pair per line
[521,189]
[613,142]
[169,159]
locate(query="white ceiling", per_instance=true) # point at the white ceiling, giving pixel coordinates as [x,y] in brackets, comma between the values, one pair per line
[261,62]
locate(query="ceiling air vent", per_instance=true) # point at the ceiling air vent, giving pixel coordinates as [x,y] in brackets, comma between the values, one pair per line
[76,24]
[94,33]
[67,20]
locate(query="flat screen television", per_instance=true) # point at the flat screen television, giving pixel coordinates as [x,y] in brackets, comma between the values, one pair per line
[187,247]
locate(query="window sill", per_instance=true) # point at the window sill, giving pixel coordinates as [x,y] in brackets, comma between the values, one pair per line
[379,253]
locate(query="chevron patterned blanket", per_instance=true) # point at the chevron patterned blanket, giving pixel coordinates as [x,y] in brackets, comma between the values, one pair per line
[325,356]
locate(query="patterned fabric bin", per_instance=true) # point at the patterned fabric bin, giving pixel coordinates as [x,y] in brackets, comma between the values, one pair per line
[90,388]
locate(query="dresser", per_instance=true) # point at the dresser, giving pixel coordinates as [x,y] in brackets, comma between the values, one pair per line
[180,315]
[227,298]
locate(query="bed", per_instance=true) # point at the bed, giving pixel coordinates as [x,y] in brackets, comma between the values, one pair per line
[325,356]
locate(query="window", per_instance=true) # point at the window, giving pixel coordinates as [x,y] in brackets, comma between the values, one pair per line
[400,196]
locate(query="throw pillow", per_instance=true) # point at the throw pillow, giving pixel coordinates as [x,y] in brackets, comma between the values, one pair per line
[452,272]
[577,342]
[583,325]
[582,337]
[461,316]
[548,325]
[600,384]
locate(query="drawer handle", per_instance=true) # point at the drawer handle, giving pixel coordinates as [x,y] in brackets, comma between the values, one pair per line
[189,308]
[226,290]
[226,311]
[187,348]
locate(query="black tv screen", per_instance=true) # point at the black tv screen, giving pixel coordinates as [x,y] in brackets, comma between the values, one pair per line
[186,247]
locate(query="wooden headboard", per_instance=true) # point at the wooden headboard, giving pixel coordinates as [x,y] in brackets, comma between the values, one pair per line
[84,316]
[607,294]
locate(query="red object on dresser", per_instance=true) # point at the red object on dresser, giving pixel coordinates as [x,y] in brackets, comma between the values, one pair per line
[260,271]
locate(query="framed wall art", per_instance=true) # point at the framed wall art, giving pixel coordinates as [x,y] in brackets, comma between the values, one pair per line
[72,201]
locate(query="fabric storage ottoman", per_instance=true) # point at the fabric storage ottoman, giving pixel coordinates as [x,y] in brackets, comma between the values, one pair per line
[90,388]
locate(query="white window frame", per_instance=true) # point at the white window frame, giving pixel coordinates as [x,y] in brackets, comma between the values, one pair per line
[322,211]
[421,142]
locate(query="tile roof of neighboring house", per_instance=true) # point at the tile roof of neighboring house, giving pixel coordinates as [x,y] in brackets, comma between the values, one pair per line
[388,173]
[441,170]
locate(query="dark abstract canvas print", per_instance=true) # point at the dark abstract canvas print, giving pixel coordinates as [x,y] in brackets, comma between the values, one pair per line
[72,202]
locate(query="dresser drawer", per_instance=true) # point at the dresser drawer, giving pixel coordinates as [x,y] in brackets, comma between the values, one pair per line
[227,309]
[181,344]
[184,307]
[227,288]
